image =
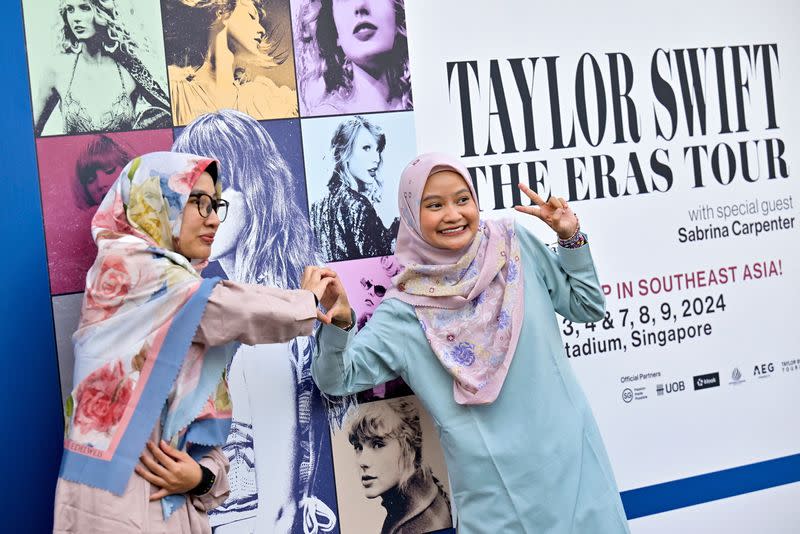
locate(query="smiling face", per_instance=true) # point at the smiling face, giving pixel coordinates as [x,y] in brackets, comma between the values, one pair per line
[197,232]
[245,32]
[448,215]
[366,29]
[365,159]
[79,15]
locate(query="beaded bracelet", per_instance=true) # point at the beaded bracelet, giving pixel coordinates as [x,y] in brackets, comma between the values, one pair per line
[577,240]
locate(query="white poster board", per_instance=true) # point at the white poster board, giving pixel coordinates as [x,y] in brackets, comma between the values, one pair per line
[673,132]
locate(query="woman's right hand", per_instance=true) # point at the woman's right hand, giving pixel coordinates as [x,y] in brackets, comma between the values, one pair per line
[317,279]
[330,292]
[171,470]
[336,303]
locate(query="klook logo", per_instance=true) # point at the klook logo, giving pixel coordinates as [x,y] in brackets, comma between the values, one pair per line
[710,380]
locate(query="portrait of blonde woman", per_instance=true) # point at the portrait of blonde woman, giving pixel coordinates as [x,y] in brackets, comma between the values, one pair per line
[276,444]
[352,163]
[229,54]
[391,476]
[90,71]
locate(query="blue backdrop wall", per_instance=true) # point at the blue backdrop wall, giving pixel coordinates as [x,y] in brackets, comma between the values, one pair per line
[31,393]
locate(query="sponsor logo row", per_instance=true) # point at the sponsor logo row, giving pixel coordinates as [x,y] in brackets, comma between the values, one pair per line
[737,377]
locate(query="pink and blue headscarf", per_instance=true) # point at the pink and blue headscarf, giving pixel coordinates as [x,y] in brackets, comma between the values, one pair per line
[469,302]
[135,364]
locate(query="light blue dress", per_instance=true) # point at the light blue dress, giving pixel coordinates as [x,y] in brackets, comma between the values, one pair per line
[533,460]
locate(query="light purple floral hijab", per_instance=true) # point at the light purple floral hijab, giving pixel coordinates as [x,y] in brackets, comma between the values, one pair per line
[469,302]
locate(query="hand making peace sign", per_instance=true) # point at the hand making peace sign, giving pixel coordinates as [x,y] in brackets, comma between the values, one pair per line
[556,213]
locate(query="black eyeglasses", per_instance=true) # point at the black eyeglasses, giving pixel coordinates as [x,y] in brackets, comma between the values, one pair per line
[379,290]
[206,204]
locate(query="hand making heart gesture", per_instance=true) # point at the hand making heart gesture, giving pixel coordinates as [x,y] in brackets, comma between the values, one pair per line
[556,213]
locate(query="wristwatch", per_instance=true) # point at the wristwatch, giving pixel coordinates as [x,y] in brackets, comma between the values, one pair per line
[206,482]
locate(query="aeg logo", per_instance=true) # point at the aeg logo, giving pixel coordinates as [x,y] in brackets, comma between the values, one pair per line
[763,370]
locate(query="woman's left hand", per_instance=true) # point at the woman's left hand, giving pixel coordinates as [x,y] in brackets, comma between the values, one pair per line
[556,213]
[336,303]
[316,279]
[169,469]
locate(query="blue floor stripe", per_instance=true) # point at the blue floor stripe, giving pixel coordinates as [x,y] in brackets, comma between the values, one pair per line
[667,496]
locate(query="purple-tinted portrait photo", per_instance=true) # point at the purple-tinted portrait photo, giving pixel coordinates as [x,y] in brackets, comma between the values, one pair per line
[75,173]
[351,56]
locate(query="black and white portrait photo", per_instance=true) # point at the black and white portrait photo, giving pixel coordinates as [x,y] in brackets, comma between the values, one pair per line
[390,471]
[352,167]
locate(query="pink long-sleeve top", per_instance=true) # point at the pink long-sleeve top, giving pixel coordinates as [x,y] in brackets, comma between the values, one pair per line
[250,314]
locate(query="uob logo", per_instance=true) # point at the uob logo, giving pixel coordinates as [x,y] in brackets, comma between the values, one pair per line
[675,386]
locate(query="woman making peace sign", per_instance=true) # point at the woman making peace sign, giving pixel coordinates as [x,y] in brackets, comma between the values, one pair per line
[470,325]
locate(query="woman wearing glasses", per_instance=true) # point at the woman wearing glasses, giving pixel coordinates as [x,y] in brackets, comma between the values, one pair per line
[150,406]
[268,241]
[376,288]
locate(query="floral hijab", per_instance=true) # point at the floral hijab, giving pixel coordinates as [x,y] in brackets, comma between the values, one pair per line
[135,364]
[469,302]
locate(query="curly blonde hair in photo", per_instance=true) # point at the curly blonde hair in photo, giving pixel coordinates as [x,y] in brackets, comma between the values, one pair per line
[114,35]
